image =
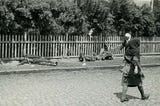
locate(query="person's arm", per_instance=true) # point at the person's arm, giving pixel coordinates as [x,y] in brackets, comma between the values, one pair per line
[123,45]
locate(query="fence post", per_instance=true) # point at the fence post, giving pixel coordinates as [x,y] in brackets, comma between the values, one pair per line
[25,38]
[154,45]
[66,45]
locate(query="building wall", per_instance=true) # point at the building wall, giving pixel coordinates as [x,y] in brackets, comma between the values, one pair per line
[141,2]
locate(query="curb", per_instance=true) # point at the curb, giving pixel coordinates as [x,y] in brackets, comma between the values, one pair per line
[27,71]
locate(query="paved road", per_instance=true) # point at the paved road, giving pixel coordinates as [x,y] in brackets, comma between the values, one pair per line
[75,88]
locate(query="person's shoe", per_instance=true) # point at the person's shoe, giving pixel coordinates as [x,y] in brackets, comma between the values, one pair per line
[124,100]
[145,97]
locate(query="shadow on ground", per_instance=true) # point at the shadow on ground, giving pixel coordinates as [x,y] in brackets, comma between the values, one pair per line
[119,95]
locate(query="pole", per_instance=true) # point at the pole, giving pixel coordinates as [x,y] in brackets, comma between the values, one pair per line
[151,5]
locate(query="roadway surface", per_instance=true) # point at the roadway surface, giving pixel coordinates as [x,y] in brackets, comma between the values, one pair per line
[76,88]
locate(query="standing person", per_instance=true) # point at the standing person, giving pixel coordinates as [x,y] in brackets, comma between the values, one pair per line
[132,74]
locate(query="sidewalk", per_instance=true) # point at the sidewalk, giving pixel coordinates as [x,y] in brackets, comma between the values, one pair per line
[74,64]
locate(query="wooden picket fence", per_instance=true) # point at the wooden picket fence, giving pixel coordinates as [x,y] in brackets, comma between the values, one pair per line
[51,46]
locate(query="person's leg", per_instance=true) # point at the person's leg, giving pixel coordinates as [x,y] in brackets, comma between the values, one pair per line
[124,91]
[143,95]
[125,71]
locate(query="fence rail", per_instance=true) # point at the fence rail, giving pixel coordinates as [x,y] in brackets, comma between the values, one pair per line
[16,46]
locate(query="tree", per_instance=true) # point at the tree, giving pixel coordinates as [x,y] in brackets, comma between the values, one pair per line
[77,17]
[15,17]
[156,11]
[143,21]
[120,9]
[131,18]
[97,14]
[6,20]
[23,19]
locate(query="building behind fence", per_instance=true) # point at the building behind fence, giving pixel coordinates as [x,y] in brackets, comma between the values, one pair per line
[51,46]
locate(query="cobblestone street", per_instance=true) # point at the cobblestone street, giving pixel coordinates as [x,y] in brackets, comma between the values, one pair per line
[76,88]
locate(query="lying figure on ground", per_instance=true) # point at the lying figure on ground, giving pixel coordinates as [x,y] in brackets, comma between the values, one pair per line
[31,59]
[1,62]
[103,55]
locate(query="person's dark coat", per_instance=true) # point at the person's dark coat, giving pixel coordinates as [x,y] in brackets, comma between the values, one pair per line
[132,47]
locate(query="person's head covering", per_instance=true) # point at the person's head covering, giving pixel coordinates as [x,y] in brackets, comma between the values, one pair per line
[128,36]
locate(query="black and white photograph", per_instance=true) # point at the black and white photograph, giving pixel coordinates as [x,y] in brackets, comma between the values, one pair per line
[79,52]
